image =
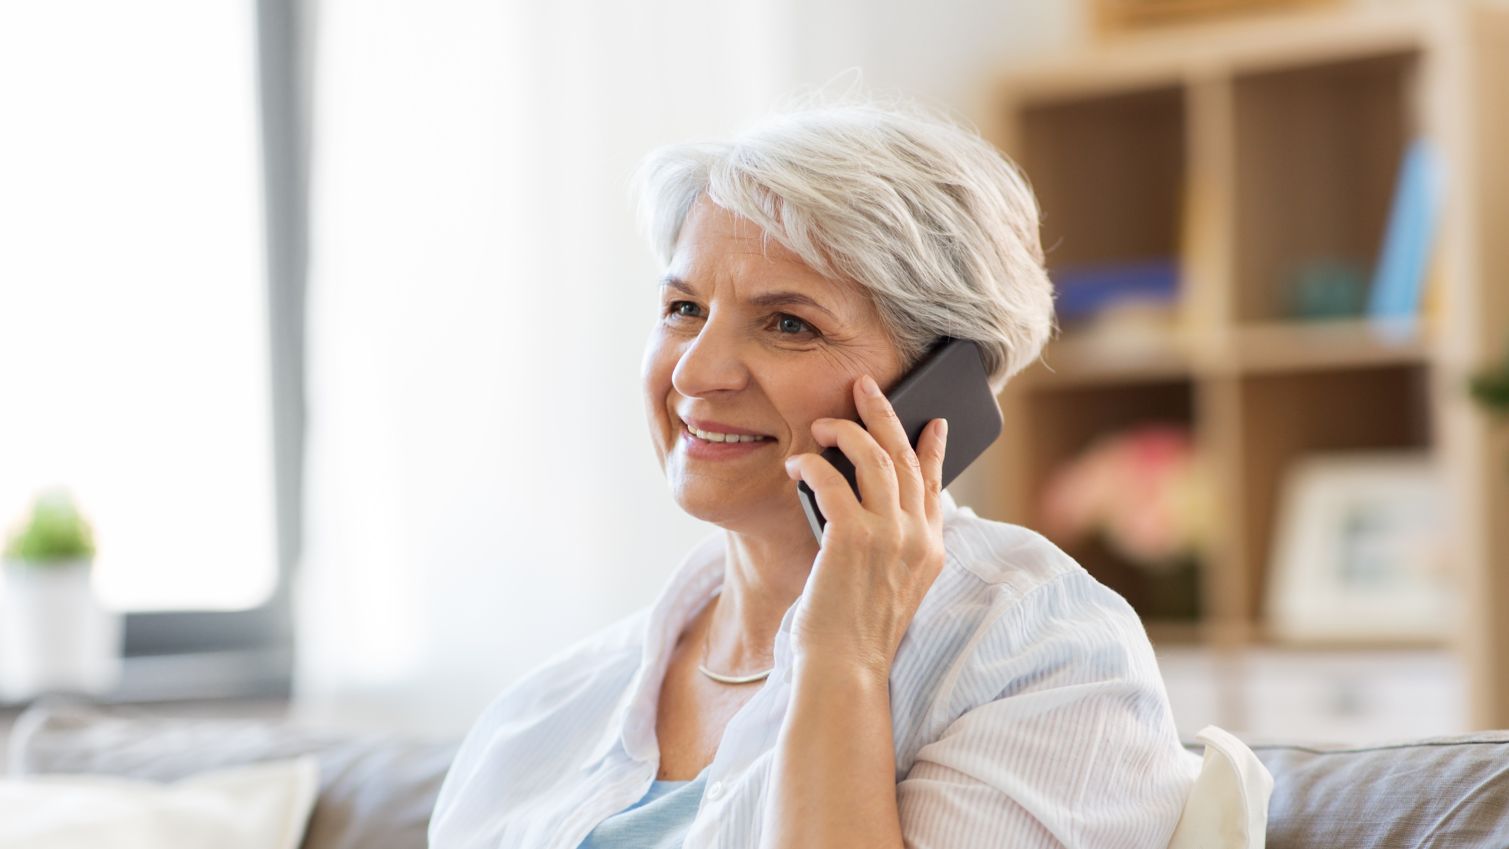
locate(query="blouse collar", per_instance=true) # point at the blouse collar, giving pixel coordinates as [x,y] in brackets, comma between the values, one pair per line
[690,587]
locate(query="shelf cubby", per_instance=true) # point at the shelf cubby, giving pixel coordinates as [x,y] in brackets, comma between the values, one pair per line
[1317,153]
[1287,416]
[1106,171]
[1068,419]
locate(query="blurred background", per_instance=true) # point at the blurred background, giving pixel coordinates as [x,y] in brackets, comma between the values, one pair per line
[321,320]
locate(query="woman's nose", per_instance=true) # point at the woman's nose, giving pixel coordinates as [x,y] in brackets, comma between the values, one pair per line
[711,362]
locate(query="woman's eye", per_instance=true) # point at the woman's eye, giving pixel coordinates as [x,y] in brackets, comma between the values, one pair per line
[684,309]
[791,325]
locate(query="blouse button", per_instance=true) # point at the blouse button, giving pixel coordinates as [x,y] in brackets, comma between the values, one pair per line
[715,791]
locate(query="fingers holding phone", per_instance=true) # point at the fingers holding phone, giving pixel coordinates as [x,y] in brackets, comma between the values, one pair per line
[949,382]
[894,479]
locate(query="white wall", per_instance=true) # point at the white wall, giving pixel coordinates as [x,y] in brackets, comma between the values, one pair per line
[942,52]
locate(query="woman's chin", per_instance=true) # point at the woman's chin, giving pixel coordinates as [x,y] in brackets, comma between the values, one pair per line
[731,506]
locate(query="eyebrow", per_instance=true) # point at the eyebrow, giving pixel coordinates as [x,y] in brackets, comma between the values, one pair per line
[780,298]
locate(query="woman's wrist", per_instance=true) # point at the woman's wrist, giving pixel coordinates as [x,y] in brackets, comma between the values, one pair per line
[841,671]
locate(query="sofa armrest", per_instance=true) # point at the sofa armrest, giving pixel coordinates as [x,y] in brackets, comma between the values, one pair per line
[1438,791]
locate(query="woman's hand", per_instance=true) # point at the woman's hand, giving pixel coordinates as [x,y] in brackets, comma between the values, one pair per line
[877,558]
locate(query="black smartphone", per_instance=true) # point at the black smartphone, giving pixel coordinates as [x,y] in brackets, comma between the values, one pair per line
[949,382]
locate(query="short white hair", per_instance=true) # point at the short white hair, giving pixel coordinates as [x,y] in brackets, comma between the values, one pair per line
[936,224]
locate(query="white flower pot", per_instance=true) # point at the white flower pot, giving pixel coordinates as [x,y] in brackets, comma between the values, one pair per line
[55,636]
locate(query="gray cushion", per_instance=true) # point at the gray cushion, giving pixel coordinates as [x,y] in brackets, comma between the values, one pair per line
[376,790]
[1433,792]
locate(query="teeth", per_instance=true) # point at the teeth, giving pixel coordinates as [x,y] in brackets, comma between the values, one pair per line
[710,436]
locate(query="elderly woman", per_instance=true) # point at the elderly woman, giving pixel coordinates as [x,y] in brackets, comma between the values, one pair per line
[922,676]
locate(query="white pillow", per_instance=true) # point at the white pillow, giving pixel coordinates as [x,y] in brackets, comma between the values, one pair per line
[1228,806]
[260,806]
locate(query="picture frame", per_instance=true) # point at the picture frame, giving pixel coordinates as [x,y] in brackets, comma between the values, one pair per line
[1360,552]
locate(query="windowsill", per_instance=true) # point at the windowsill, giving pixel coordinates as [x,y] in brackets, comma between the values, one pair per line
[227,676]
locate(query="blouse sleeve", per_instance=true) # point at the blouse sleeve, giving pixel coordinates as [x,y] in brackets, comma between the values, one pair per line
[1077,746]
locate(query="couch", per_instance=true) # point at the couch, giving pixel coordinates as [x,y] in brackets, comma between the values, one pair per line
[377,789]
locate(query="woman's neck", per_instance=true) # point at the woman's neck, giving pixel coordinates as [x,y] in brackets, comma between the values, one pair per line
[763,575]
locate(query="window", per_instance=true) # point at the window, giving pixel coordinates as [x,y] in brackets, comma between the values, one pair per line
[135,362]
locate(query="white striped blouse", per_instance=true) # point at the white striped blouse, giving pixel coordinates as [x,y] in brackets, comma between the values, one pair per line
[1026,705]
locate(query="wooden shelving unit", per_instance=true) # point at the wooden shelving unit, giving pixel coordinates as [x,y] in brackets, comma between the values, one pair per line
[1283,136]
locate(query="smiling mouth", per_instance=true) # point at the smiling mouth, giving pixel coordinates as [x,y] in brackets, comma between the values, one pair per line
[711,436]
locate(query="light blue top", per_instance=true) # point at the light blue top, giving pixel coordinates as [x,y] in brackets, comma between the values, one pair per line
[659,820]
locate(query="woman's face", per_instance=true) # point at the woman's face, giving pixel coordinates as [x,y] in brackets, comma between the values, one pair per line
[751,340]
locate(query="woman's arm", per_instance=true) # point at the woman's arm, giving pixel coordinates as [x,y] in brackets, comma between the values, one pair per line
[833,784]
[835,770]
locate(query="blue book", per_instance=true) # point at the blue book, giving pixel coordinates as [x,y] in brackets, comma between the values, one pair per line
[1404,259]
[1084,290]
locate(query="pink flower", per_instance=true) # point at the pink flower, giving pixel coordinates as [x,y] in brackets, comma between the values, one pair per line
[1144,490]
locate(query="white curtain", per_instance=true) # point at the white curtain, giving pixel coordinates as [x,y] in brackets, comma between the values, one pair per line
[481,488]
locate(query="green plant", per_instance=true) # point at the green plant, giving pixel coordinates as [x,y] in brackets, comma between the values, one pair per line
[54,533]
[1491,388]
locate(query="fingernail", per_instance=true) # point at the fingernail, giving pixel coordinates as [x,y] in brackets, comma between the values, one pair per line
[869,385]
[943,428]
